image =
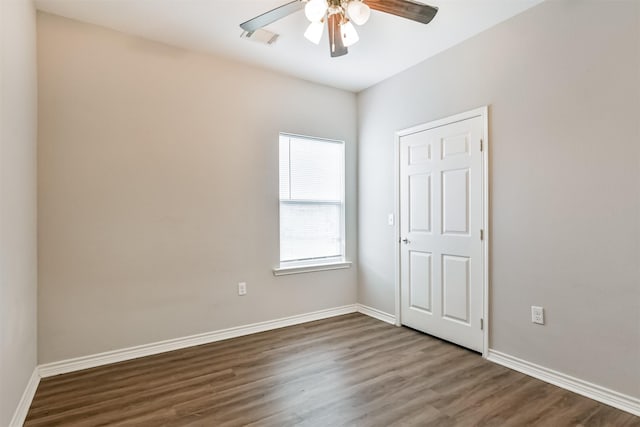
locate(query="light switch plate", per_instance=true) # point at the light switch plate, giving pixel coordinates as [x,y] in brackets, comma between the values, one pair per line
[390,219]
[537,315]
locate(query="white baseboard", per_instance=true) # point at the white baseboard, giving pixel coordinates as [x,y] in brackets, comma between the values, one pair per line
[601,394]
[376,314]
[25,401]
[92,361]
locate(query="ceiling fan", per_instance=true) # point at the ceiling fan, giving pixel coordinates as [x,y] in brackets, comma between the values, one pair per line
[339,14]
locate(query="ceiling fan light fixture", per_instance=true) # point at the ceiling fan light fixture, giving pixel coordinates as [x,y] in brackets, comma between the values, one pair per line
[358,12]
[339,15]
[315,10]
[314,32]
[349,34]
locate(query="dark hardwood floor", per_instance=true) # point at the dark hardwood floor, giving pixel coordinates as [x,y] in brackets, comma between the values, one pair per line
[346,371]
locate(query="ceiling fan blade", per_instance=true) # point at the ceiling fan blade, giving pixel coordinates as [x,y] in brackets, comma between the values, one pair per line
[405,9]
[336,46]
[272,16]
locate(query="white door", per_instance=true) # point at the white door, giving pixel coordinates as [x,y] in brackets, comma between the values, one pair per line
[441,217]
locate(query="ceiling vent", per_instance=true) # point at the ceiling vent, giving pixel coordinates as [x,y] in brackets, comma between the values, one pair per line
[261,36]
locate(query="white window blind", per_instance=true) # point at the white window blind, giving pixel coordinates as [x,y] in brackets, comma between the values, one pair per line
[311,199]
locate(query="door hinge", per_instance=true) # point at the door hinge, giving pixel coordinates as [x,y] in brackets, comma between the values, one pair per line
[481,234]
[482,324]
[481,145]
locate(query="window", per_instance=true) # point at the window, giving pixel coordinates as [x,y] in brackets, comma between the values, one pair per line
[311,201]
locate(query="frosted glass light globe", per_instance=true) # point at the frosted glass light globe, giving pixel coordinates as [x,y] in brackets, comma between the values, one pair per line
[358,12]
[315,10]
[314,32]
[349,34]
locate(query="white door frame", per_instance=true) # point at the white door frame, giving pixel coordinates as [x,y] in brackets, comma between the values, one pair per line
[478,112]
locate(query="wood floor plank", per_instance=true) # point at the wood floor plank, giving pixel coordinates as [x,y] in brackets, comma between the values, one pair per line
[345,371]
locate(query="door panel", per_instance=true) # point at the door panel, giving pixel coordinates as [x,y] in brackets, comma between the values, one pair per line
[441,215]
[420,280]
[455,287]
[455,201]
[420,202]
[419,154]
[455,145]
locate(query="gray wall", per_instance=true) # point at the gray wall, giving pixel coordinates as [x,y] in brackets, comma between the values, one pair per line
[158,175]
[18,276]
[563,84]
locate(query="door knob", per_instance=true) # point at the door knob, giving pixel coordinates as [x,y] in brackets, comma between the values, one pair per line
[406,241]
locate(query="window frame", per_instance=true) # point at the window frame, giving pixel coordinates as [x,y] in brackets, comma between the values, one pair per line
[321,263]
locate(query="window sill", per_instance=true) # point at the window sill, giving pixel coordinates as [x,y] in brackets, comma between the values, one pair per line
[283,271]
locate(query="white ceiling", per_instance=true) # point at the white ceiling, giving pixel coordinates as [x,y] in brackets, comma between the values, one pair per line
[387,45]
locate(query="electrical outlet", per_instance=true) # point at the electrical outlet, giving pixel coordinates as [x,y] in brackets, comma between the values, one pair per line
[242,288]
[390,219]
[537,315]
